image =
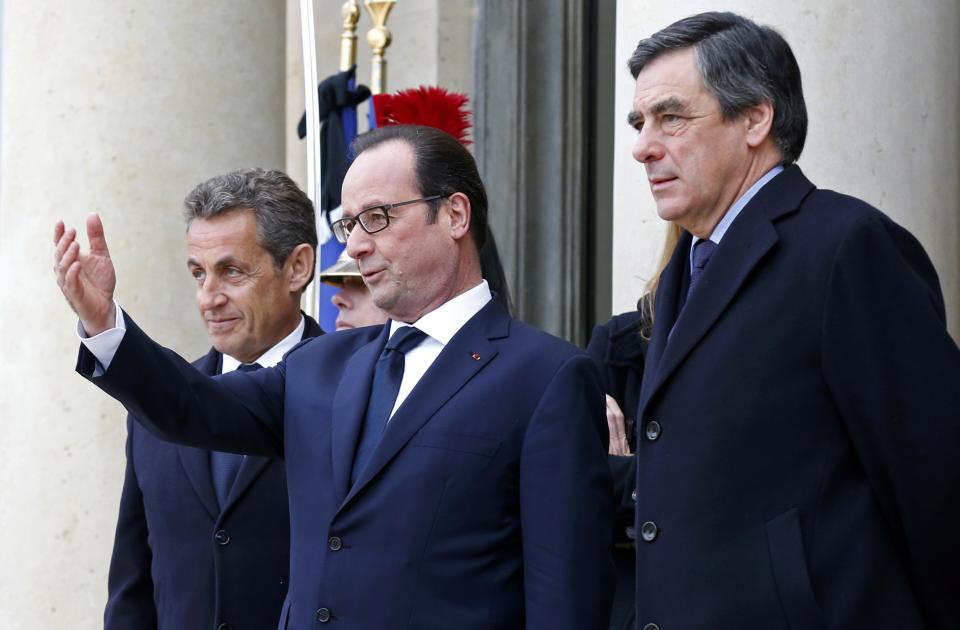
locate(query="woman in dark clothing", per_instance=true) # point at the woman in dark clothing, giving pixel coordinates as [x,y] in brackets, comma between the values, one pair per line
[618,348]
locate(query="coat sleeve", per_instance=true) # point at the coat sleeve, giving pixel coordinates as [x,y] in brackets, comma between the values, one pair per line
[566,505]
[894,373]
[240,412]
[130,601]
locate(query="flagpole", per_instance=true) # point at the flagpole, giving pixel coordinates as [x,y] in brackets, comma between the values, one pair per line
[378,38]
[308,44]
[350,13]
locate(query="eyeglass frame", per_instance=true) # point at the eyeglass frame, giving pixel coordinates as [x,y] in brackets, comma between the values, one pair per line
[385,208]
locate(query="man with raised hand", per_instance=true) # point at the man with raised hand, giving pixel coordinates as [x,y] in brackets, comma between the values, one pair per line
[445,470]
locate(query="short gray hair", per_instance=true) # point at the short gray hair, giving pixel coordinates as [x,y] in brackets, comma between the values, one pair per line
[284,214]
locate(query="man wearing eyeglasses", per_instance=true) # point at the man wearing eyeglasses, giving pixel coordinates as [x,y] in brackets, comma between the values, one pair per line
[445,470]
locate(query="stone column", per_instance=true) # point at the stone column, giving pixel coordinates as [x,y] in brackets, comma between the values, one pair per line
[533,138]
[882,84]
[118,107]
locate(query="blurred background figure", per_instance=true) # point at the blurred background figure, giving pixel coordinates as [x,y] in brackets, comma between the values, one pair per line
[355,307]
[618,348]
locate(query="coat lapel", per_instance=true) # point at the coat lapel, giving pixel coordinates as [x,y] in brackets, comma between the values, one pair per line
[741,251]
[349,407]
[468,352]
[250,468]
[672,282]
[195,461]
[749,239]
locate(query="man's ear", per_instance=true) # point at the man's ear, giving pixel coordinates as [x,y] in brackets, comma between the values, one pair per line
[458,212]
[759,121]
[299,267]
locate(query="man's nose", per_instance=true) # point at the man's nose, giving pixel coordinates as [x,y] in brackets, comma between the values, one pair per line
[339,300]
[359,243]
[648,146]
[210,295]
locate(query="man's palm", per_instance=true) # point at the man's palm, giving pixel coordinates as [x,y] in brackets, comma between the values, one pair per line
[86,279]
[97,279]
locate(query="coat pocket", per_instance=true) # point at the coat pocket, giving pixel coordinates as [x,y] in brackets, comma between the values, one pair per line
[788,561]
[476,444]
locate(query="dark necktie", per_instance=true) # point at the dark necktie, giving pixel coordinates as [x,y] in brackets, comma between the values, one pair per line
[383,394]
[702,252]
[224,466]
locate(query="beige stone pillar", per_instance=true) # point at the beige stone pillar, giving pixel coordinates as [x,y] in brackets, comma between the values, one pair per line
[882,84]
[118,107]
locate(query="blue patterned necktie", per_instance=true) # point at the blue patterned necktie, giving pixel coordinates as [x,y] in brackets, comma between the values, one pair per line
[383,394]
[225,466]
[702,252]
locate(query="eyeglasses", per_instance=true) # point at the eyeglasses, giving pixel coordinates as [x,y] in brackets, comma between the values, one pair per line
[372,220]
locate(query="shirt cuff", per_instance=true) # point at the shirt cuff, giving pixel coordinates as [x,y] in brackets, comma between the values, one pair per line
[104,345]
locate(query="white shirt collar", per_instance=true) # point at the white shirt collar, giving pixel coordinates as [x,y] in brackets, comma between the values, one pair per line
[443,322]
[735,209]
[272,356]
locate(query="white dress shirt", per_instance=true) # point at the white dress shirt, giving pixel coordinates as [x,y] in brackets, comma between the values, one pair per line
[272,356]
[440,325]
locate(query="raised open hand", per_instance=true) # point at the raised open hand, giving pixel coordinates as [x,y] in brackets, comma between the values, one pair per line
[87,280]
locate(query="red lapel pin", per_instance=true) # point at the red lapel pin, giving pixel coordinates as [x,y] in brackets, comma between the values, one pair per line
[475,356]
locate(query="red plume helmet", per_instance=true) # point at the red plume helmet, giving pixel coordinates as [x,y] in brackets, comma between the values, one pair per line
[426,105]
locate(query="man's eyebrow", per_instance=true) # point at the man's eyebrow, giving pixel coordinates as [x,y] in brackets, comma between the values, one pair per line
[669,104]
[366,206]
[226,261]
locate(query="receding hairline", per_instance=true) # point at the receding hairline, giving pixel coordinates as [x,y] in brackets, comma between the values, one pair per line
[376,201]
[387,142]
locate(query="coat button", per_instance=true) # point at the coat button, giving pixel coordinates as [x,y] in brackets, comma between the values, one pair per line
[653,431]
[633,495]
[649,531]
[224,626]
[631,532]
[335,543]
[221,537]
[651,626]
[323,615]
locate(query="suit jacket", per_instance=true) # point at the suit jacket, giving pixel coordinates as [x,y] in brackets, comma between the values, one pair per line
[803,471]
[180,561]
[486,504]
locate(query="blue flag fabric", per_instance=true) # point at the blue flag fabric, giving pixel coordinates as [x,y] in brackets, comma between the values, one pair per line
[339,96]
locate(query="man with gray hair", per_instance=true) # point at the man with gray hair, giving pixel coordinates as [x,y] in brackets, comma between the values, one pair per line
[203,537]
[798,427]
